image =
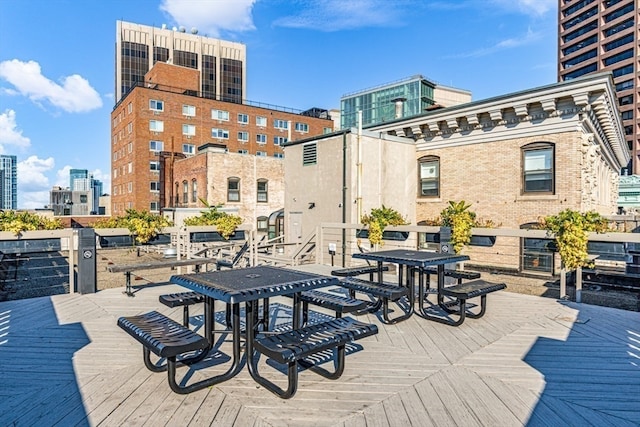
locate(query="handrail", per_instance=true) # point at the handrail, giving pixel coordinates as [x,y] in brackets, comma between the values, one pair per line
[300,253]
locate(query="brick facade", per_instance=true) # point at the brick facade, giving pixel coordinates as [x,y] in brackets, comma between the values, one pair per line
[132,157]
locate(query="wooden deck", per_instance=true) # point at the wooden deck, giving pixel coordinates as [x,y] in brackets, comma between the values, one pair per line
[530,361]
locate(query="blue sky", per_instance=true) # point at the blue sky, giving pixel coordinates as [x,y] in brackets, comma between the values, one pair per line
[57,61]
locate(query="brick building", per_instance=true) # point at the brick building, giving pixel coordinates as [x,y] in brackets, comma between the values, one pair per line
[165,121]
[514,158]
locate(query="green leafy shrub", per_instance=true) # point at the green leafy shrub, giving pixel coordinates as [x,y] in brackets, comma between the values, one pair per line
[142,224]
[225,223]
[17,222]
[571,230]
[378,221]
[458,216]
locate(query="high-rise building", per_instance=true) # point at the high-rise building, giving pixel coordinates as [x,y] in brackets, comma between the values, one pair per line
[80,176]
[602,35]
[401,99]
[8,182]
[221,63]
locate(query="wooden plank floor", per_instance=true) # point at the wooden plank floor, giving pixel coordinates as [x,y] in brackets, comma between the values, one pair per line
[529,361]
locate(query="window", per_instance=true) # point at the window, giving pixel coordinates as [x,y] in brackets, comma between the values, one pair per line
[177,194]
[580,58]
[261,138]
[626,100]
[154,166]
[130,187]
[584,43]
[194,190]
[538,168]
[243,118]
[262,223]
[262,191]
[619,42]
[580,18]
[129,108]
[302,127]
[243,151]
[261,153]
[233,190]
[188,110]
[219,133]
[189,149]
[279,140]
[581,71]
[280,124]
[130,147]
[185,192]
[326,130]
[156,105]
[243,136]
[278,155]
[156,125]
[576,7]
[154,186]
[627,84]
[261,121]
[618,57]
[156,145]
[580,31]
[129,127]
[309,154]
[220,115]
[83,198]
[621,26]
[189,130]
[626,115]
[429,176]
[628,69]
[153,207]
[130,167]
[620,12]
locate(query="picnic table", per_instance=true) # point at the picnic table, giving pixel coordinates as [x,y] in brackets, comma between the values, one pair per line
[410,261]
[249,286]
[127,269]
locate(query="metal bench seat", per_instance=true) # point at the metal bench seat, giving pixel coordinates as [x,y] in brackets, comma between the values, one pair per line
[184,299]
[359,270]
[456,274]
[339,304]
[291,347]
[384,292]
[461,293]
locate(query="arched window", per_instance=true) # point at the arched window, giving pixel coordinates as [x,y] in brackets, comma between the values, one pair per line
[262,190]
[233,189]
[429,176]
[194,190]
[185,192]
[538,168]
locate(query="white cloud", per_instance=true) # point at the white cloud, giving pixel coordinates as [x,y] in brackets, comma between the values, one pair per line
[211,17]
[335,15]
[62,177]
[33,184]
[9,132]
[510,43]
[529,7]
[74,94]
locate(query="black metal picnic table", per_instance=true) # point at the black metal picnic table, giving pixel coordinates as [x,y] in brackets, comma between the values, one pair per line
[249,286]
[410,260]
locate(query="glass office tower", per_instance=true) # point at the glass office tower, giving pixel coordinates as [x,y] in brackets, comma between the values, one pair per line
[8,182]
